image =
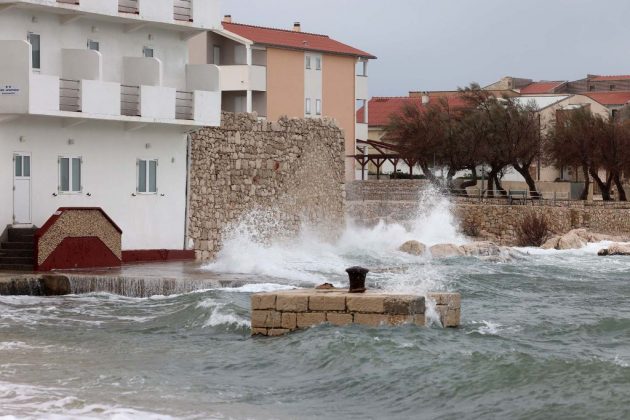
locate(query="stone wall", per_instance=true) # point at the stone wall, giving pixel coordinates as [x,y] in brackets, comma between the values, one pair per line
[494,218]
[288,173]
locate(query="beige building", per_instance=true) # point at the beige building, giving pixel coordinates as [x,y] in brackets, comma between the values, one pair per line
[277,72]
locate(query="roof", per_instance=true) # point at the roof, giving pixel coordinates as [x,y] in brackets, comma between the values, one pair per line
[540,102]
[292,39]
[606,78]
[610,98]
[381,108]
[541,87]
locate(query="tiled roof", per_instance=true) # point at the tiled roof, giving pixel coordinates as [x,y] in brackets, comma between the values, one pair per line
[607,78]
[537,88]
[292,39]
[381,108]
[610,98]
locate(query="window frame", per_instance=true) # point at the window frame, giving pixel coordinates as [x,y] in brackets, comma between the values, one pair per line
[148,48]
[147,179]
[29,34]
[307,107]
[216,55]
[318,63]
[91,42]
[318,107]
[308,62]
[71,174]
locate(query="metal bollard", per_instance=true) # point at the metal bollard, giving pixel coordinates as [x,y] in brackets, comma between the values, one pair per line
[357,277]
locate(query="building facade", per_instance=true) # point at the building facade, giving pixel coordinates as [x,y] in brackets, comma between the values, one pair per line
[276,72]
[96,103]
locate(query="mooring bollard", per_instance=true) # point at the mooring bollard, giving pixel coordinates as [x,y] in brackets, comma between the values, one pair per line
[357,279]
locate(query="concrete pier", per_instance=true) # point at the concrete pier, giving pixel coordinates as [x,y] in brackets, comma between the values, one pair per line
[279,313]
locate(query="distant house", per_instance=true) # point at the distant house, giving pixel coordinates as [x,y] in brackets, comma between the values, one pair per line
[276,72]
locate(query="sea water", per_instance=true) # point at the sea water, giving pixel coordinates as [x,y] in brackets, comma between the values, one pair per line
[544,335]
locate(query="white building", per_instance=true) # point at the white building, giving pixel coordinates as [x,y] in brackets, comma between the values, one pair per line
[96,100]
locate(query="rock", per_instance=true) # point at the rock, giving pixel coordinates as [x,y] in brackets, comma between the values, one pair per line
[571,241]
[481,249]
[615,249]
[446,251]
[551,243]
[413,248]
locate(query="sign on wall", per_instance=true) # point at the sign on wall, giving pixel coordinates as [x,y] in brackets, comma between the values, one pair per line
[6,90]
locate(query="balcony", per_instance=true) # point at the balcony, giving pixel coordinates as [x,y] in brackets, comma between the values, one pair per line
[128,6]
[361,87]
[243,78]
[361,131]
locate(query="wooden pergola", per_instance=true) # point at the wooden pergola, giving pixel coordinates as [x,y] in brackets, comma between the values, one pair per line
[387,153]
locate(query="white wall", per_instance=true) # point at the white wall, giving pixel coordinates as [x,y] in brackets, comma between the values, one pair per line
[313,82]
[115,43]
[14,74]
[109,175]
[138,71]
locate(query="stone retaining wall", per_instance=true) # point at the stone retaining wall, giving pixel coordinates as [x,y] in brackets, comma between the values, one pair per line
[282,174]
[278,313]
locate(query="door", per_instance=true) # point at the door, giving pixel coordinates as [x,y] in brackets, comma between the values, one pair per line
[21,188]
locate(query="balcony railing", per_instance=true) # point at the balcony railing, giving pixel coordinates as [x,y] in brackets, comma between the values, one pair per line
[182,10]
[69,95]
[184,105]
[130,100]
[128,6]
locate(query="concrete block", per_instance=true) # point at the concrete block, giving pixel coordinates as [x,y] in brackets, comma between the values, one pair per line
[372,320]
[289,320]
[263,301]
[339,319]
[292,303]
[266,319]
[327,302]
[420,320]
[366,304]
[259,331]
[453,300]
[308,319]
[404,305]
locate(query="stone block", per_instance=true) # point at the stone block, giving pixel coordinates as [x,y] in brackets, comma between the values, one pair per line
[289,320]
[420,320]
[262,301]
[452,318]
[327,302]
[366,304]
[259,331]
[266,319]
[397,320]
[277,332]
[307,319]
[372,320]
[404,305]
[292,302]
[339,318]
[452,300]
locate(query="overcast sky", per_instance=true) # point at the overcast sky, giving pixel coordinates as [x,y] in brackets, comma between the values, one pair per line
[443,44]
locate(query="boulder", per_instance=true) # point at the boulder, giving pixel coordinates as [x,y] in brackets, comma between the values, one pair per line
[413,248]
[481,249]
[615,249]
[571,241]
[551,243]
[445,251]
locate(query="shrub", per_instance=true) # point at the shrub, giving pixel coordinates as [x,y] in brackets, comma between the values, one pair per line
[533,230]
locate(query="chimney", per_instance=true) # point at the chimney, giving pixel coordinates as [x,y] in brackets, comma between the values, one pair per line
[425,98]
[227,19]
[297,27]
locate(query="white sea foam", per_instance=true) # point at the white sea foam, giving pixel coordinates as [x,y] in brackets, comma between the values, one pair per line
[220,314]
[257,288]
[488,327]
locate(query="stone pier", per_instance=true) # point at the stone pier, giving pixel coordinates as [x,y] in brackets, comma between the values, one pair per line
[279,313]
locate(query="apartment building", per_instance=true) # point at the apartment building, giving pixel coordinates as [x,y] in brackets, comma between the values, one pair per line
[96,102]
[276,72]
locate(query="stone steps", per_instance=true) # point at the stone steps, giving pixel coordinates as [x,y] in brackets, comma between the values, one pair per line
[18,252]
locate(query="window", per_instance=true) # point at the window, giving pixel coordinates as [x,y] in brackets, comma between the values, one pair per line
[612,87]
[70,174]
[147,52]
[147,176]
[34,40]
[22,166]
[308,62]
[216,55]
[93,45]
[308,106]
[318,106]
[318,63]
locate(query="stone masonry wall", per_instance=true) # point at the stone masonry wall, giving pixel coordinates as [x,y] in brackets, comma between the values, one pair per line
[495,219]
[287,173]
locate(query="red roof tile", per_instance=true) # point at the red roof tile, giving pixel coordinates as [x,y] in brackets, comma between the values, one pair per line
[540,87]
[607,78]
[291,39]
[610,98]
[381,108]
